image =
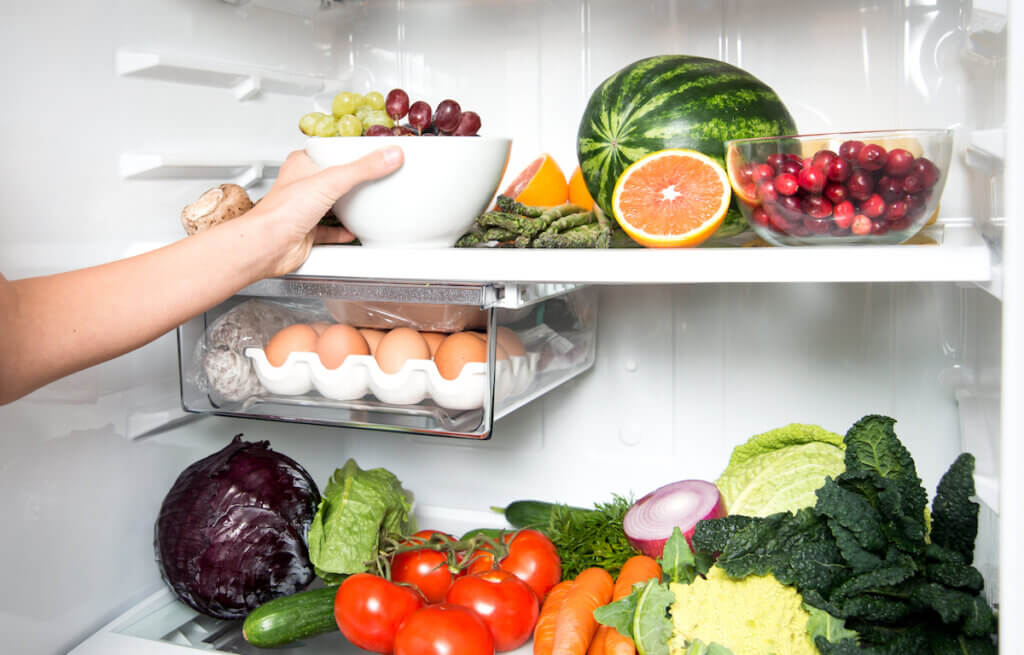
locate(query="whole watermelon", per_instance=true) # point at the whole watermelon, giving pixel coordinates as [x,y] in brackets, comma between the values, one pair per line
[673,101]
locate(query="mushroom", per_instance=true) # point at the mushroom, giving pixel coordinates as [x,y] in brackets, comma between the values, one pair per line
[215,206]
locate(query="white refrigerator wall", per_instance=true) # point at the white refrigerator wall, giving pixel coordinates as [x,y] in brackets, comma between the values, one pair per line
[683,372]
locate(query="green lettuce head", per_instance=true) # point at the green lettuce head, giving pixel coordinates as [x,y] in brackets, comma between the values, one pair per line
[357,508]
[779,470]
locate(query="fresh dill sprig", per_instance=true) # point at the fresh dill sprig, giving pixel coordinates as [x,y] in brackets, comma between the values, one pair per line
[586,538]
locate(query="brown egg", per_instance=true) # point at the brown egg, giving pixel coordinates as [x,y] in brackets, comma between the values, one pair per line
[456,351]
[398,346]
[372,337]
[500,351]
[338,342]
[510,341]
[298,338]
[320,326]
[434,340]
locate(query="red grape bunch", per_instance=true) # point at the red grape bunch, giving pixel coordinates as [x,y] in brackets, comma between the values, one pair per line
[448,119]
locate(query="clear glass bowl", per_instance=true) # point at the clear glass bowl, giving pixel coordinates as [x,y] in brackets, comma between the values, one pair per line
[840,188]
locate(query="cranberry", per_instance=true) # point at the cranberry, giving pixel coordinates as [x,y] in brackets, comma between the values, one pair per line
[791,207]
[872,157]
[860,185]
[746,173]
[873,207]
[766,191]
[792,156]
[836,193]
[762,172]
[861,225]
[894,211]
[917,200]
[900,225]
[843,214]
[913,183]
[816,207]
[778,221]
[817,225]
[811,179]
[891,188]
[823,159]
[850,150]
[775,160]
[879,227]
[760,217]
[786,184]
[839,170]
[790,166]
[927,170]
[899,162]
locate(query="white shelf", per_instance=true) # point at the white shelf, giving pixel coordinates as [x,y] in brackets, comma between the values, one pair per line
[963,256]
[246,82]
[243,172]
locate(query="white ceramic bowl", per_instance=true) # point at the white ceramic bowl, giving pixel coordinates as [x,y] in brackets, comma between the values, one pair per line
[444,183]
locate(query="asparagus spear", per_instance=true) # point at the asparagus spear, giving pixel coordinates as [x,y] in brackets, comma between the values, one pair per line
[470,239]
[512,222]
[569,221]
[511,206]
[581,236]
[499,234]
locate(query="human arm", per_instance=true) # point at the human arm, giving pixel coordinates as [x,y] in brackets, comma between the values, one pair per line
[54,325]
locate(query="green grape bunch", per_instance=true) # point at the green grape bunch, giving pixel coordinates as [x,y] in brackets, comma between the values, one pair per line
[373,114]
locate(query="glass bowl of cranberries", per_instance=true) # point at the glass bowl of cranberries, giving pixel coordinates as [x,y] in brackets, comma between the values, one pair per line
[840,188]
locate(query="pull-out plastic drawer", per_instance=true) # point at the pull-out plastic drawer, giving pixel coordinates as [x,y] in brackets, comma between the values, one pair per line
[537,336]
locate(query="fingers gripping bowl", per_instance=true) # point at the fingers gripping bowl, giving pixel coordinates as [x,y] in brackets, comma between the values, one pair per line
[432,200]
[839,188]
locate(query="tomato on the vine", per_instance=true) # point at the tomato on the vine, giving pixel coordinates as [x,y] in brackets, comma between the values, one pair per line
[444,629]
[506,604]
[426,569]
[531,557]
[370,609]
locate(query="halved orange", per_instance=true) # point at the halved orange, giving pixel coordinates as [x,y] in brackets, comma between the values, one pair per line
[541,184]
[742,185]
[578,192]
[671,198]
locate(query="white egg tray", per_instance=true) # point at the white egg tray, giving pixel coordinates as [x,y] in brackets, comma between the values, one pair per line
[418,379]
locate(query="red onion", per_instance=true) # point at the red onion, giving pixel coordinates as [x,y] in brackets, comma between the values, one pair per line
[648,523]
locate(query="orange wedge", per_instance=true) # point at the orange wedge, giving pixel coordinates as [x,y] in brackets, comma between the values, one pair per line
[541,184]
[578,192]
[671,198]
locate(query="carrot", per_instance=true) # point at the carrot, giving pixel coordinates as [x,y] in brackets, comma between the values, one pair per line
[639,568]
[544,630]
[575,625]
[599,642]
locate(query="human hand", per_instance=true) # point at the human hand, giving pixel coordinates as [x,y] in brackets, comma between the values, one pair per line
[303,193]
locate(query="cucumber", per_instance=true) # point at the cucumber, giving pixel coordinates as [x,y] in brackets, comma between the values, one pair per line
[290,618]
[493,533]
[532,513]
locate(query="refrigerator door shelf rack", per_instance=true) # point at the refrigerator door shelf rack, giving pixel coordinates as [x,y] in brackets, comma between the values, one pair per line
[245,82]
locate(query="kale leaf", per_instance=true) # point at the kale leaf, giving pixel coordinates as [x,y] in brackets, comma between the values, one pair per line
[711,535]
[799,553]
[872,445]
[954,514]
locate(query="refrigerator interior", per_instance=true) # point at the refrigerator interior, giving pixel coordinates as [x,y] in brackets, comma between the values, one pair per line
[118,114]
